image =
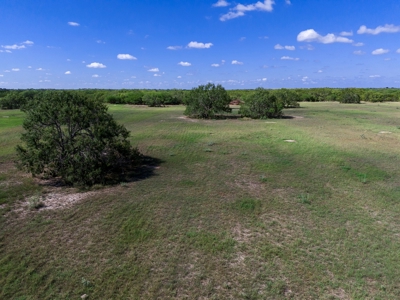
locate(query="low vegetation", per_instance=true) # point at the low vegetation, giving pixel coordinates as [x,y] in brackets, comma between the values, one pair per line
[72,137]
[230,210]
[261,104]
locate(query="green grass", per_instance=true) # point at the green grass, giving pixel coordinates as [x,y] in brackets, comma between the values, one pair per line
[232,212]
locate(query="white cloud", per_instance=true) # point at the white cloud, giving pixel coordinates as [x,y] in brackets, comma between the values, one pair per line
[14,47]
[29,67]
[100,42]
[243,38]
[95,76]
[388,28]
[68,73]
[15,70]
[73,24]
[235,62]
[398,51]
[308,47]
[358,44]
[359,52]
[311,35]
[264,79]
[280,47]
[215,65]
[346,33]
[174,47]
[27,42]
[7,71]
[374,76]
[126,57]
[320,71]
[199,45]
[154,70]
[179,77]
[7,51]
[184,64]
[288,2]
[96,65]
[157,75]
[289,58]
[221,3]
[240,9]
[380,51]
[40,69]
[1,75]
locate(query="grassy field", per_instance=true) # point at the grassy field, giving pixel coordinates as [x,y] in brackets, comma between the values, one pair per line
[232,211]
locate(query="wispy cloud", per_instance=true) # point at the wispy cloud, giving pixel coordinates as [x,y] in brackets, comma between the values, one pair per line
[380,51]
[96,65]
[198,45]
[236,62]
[346,33]
[174,47]
[374,76]
[153,70]
[28,42]
[289,58]
[95,76]
[74,24]
[358,44]
[126,57]
[39,69]
[68,73]
[280,47]
[398,51]
[221,3]
[311,35]
[240,10]
[185,64]
[157,75]
[15,70]
[13,47]
[215,65]
[359,52]
[388,28]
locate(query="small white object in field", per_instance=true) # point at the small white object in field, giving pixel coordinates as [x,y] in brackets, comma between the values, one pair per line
[384,132]
[84,296]
[270,122]
[290,141]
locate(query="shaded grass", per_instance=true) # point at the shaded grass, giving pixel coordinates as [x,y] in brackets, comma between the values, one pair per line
[255,218]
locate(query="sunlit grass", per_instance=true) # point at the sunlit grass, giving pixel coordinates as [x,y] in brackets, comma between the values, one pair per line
[232,212]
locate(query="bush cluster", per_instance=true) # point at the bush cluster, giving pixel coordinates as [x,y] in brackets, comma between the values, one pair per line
[71,136]
[207,101]
[261,104]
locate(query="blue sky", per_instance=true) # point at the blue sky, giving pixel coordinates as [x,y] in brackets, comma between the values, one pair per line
[182,44]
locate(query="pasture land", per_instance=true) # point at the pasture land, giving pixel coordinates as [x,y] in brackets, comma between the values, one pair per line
[231,210]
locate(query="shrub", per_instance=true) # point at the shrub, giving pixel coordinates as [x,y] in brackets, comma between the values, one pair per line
[114,99]
[349,96]
[133,97]
[207,101]
[154,99]
[70,136]
[261,104]
[13,100]
[288,98]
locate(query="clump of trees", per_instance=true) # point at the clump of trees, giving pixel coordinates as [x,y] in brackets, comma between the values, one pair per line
[261,104]
[207,101]
[71,136]
[349,96]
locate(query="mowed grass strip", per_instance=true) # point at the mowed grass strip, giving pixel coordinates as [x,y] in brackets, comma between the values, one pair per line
[233,211]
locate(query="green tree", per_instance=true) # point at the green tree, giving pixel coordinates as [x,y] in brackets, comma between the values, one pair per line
[261,104]
[207,101]
[349,96]
[71,136]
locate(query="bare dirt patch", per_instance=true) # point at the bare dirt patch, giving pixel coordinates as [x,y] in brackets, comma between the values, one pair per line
[187,119]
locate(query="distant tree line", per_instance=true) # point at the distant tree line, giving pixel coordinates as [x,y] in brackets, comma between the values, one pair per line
[14,99]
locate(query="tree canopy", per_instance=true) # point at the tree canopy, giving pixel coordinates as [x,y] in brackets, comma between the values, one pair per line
[71,136]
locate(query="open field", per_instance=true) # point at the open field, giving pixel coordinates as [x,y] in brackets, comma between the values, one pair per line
[232,211]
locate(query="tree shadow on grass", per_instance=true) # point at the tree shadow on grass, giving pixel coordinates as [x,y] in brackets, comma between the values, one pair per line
[144,170]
